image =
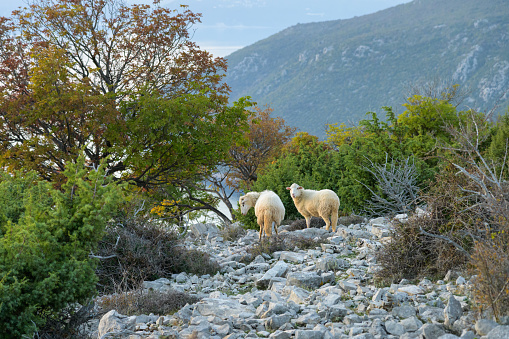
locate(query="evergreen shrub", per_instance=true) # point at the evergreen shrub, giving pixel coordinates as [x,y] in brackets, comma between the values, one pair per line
[46,237]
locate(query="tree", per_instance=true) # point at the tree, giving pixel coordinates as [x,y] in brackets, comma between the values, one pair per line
[125,84]
[265,139]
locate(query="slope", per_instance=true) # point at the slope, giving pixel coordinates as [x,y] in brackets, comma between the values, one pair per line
[336,71]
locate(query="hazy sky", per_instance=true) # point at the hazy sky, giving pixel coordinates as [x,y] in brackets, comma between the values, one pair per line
[228,25]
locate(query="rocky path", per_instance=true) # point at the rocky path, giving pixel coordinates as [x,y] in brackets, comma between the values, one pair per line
[325,292]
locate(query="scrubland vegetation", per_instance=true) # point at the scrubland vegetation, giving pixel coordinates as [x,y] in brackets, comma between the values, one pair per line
[103,164]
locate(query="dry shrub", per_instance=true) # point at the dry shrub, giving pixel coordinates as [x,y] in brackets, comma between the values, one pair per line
[70,322]
[411,254]
[431,245]
[141,249]
[490,262]
[282,242]
[348,220]
[300,224]
[145,302]
[490,258]
[232,232]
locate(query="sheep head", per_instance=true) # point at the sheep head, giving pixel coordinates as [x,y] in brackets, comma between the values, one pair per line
[295,190]
[247,201]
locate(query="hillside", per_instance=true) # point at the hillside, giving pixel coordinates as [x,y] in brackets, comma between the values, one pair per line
[336,71]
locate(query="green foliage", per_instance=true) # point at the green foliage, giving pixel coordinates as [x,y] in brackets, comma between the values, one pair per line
[309,166]
[46,242]
[174,140]
[341,164]
[247,221]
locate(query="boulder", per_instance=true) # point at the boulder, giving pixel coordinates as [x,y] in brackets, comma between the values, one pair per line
[452,311]
[117,323]
[306,280]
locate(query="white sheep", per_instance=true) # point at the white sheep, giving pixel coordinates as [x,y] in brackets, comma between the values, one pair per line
[310,203]
[268,209]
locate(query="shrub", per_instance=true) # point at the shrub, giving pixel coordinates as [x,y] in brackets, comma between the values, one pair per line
[232,232]
[432,245]
[411,254]
[247,221]
[138,302]
[348,220]
[45,244]
[300,224]
[138,248]
[282,242]
[70,322]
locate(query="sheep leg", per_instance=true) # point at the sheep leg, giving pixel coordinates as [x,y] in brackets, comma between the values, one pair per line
[268,225]
[260,222]
[327,221]
[334,220]
[275,227]
[308,221]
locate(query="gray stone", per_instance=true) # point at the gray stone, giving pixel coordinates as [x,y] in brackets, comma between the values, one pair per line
[296,294]
[352,319]
[201,230]
[364,336]
[394,328]
[308,318]
[466,334]
[484,326]
[377,329]
[181,278]
[377,313]
[404,311]
[411,289]
[461,281]
[280,335]
[347,286]
[268,309]
[308,280]
[330,263]
[222,330]
[332,299]
[308,334]
[411,324]
[278,270]
[312,233]
[379,221]
[431,331]
[115,322]
[452,311]
[223,308]
[293,257]
[276,321]
[499,332]
[380,231]
[448,336]
[336,313]
[248,299]
[379,294]
[257,268]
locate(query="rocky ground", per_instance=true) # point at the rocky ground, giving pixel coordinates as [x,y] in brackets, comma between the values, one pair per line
[325,292]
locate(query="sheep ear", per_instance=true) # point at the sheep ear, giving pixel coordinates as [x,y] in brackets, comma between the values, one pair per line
[288,188]
[300,188]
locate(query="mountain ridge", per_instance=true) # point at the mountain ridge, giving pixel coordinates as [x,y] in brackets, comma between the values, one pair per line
[336,71]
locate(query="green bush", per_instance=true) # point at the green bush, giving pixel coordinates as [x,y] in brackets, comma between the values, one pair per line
[46,238]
